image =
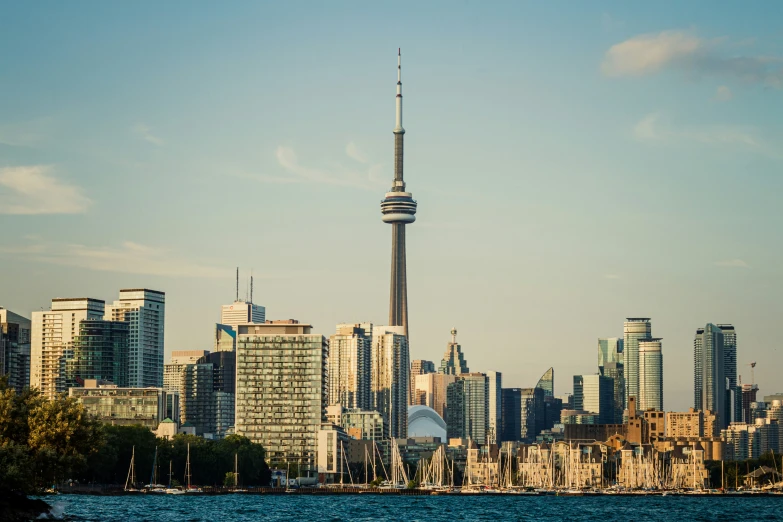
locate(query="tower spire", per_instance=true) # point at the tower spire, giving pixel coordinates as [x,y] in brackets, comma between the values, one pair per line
[398,127]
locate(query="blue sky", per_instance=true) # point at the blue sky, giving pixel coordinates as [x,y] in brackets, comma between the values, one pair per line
[574,164]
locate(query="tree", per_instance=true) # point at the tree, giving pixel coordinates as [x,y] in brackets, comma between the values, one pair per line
[229,480]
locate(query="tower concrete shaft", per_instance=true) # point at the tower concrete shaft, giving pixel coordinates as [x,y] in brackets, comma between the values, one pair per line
[398,209]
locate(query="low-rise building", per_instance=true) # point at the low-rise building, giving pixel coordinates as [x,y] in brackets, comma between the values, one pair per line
[122,406]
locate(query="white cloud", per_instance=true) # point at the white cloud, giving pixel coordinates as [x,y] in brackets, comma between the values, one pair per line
[145,133]
[335,175]
[684,51]
[654,128]
[353,152]
[33,190]
[732,263]
[723,94]
[128,257]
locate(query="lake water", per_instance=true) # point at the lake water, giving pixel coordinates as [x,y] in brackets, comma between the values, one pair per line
[169,508]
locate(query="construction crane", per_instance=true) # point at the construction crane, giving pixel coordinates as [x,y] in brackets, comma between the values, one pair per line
[752,372]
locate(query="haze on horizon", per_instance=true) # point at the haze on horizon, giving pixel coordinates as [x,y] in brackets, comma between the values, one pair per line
[573,167]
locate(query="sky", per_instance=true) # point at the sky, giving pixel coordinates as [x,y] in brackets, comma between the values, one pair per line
[575,163]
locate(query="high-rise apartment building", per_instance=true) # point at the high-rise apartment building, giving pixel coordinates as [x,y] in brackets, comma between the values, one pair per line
[418,367]
[398,209]
[693,423]
[524,413]
[145,312]
[118,406]
[453,362]
[281,389]
[650,375]
[595,394]
[389,386]
[494,406]
[208,392]
[634,330]
[100,352]
[242,312]
[225,338]
[52,337]
[749,393]
[350,367]
[610,364]
[709,380]
[733,390]
[15,349]
[431,390]
[467,415]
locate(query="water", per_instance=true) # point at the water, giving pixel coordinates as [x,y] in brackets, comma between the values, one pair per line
[170,508]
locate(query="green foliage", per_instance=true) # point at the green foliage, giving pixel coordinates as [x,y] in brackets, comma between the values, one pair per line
[412,484]
[376,482]
[229,480]
[734,472]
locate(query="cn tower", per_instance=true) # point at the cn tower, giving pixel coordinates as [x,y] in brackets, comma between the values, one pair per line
[398,209]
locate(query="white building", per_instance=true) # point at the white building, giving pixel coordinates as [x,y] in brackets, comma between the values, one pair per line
[494,404]
[172,371]
[281,389]
[52,340]
[349,366]
[145,311]
[242,312]
[650,375]
[389,381]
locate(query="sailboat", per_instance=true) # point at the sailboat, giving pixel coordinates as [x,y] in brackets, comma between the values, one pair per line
[170,490]
[153,486]
[130,482]
[236,476]
[189,488]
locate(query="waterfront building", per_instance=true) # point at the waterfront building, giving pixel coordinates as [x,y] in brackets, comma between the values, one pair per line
[610,364]
[99,351]
[145,312]
[453,362]
[693,423]
[634,330]
[750,441]
[15,349]
[494,406]
[281,389]
[430,390]
[208,392]
[172,371]
[242,312]
[350,367]
[398,209]
[389,386]
[52,335]
[467,414]
[595,394]
[547,383]
[650,374]
[709,381]
[655,422]
[114,405]
[418,367]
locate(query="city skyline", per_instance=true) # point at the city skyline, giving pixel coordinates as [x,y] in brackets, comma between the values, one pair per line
[487,251]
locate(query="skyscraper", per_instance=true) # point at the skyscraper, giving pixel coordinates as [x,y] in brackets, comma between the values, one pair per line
[145,312]
[208,392]
[494,406]
[399,209]
[389,386]
[453,362]
[709,380]
[634,329]
[52,337]
[595,394]
[547,383]
[100,351]
[418,367]
[350,367]
[15,349]
[610,364]
[241,312]
[467,414]
[281,389]
[431,389]
[734,391]
[650,375]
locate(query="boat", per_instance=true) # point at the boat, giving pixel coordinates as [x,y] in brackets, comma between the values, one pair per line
[130,482]
[189,488]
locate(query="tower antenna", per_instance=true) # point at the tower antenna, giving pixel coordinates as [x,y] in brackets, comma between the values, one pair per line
[237,299]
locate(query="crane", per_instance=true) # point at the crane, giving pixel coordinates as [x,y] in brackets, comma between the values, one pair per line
[752,372]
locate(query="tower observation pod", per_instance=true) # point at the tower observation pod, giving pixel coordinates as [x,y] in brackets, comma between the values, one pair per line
[398,209]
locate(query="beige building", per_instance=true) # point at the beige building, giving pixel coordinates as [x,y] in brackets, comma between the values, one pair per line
[430,390]
[692,423]
[52,337]
[349,365]
[172,371]
[656,423]
[418,367]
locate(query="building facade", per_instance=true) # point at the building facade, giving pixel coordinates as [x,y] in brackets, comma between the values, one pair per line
[494,406]
[389,385]
[547,383]
[634,330]
[242,312]
[467,415]
[100,351]
[281,389]
[145,312]
[15,332]
[172,371]
[709,380]
[350,367]
[595,394]
[610,364]
[431,390]
[208,392]
[122,406]
[52,337]
[418,367]
[734,390]
[650,375]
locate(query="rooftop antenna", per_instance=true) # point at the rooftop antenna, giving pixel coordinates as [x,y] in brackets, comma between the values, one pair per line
[237,299]
[251,286]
